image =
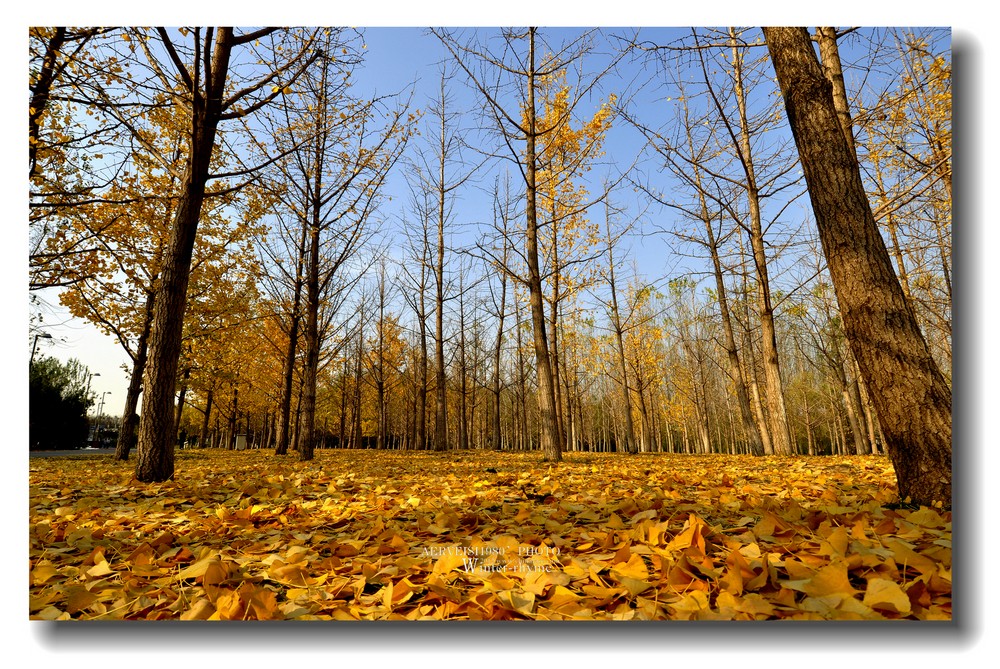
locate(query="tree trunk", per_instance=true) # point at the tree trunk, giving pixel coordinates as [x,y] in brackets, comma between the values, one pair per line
[155,458]
[735,369]
[548,435]
[288,371]
[616,324]
[307,406]
[773,391]
[910,394]
[203,437]
[130,421]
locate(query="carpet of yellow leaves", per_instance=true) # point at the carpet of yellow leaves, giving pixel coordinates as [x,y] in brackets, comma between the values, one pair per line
[474,535]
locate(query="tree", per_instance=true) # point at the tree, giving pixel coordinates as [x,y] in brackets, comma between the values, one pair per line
[619,326]
[196,77]
[115,283]
[339,152]
[910,394]
[57,404]
[564,154]
[522,131]
[685,157]
[442,172]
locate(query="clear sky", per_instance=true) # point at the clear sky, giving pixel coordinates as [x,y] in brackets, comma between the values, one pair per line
[399,60]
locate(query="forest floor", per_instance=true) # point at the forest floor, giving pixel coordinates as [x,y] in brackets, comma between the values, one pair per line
[481,535]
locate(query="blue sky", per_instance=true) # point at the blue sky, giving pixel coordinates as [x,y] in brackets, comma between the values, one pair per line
[396,59]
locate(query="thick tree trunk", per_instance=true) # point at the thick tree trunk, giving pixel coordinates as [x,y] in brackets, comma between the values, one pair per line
[910,394]
[155,458]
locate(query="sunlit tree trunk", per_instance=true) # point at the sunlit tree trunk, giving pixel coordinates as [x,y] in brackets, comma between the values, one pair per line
[155,457]
[773,386]
[911,397]
[548,431]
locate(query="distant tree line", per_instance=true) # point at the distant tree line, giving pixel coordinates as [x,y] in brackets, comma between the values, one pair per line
[57,405]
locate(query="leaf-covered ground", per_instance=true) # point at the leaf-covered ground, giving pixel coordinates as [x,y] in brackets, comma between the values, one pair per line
[388,535]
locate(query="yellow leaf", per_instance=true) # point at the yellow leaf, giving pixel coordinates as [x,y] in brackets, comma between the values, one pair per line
[522,602]
[52,613]
[202,609]
[830,580]
[449,561]
[79,598]
[886,595]
[635,568]
[100,569]
[634,586]
[690,604]
[198,568]
[42,572]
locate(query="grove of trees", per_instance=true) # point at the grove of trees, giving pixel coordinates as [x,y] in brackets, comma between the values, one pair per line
[58,400]
[711,240]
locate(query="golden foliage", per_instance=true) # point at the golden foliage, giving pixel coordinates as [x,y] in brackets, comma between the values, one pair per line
[473,535]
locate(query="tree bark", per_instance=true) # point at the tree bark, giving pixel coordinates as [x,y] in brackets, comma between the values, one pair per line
[155,458]
[911,397]
[307,406]
[130,421]
[548,433]
[288,371]
[773,387]
[616,324]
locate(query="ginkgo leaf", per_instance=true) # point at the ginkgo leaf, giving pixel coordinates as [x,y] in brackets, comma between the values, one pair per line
[830,580]
[886,595]
[522,602]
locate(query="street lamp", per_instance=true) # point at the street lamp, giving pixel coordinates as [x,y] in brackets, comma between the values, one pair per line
[89,377]
[40,335]
[87,397]
[100,414]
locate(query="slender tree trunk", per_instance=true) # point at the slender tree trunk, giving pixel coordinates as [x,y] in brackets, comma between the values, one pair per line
[180,402]
[497,440]
[130,420]
[773,389]
[231,438]
[548,433]
[911,397]
[288,371]
[732,354]
[203,437]
[463,373]
[616,324]
[829,54]
[305,437]
[421,381]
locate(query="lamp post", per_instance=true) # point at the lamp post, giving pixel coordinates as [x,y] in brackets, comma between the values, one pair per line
[40,335]
[87,396]
[100,414]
